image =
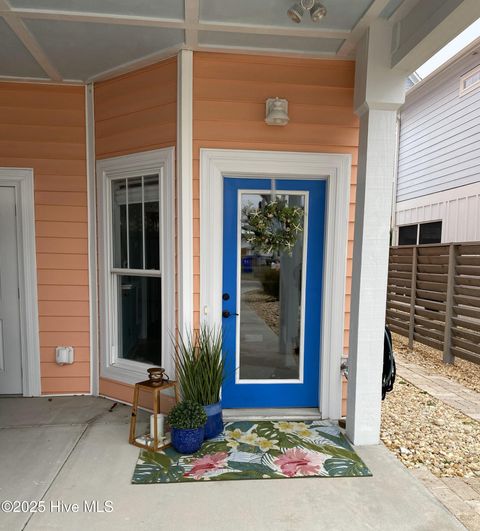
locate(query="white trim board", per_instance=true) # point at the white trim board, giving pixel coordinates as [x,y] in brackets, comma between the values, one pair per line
[156,161]
[92,237]
[185,190]
[22,180]
[439,197]
[335,168]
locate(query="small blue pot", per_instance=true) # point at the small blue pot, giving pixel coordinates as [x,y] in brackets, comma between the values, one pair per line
[214,425]
[188,441]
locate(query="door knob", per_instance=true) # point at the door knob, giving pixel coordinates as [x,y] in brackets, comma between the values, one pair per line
[227,314]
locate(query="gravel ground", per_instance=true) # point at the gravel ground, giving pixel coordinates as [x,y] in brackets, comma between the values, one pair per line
[464,372]
[422,430]
[266,307]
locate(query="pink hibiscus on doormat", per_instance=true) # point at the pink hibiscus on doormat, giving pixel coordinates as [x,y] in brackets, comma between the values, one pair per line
[207,463]
[297,462]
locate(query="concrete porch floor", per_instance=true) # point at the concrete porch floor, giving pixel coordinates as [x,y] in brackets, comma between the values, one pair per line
[72,449]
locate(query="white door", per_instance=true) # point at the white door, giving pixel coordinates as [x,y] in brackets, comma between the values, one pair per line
[10,344]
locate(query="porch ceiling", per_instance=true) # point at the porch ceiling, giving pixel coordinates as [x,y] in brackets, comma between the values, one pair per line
[86,40]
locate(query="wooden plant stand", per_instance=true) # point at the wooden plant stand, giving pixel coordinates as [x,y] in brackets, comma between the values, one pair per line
[155,390]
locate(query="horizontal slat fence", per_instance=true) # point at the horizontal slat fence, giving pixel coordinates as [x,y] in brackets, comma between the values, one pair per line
[433,297]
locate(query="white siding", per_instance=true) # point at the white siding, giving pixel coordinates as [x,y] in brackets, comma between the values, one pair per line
[439,135]
[458,209]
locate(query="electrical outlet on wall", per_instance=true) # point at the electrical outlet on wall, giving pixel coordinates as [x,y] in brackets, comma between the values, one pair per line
[64,355]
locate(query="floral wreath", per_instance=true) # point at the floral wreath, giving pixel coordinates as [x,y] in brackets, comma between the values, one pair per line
[273,226]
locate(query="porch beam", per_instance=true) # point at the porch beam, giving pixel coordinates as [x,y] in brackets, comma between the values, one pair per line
[427,28]
[192,14]
[17,25]
[191,22]
[373,12]
[379,92]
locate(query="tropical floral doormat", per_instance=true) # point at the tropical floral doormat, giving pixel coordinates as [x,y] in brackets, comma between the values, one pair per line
[257,450]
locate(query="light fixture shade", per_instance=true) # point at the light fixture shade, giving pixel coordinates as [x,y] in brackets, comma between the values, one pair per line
[276,112]
[317,12]
[307,4]
[296,13]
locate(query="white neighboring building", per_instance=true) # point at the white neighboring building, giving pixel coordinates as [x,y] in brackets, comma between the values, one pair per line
[438,180]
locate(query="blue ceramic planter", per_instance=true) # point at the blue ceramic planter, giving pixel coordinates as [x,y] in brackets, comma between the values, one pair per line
[187,441]
[214,425]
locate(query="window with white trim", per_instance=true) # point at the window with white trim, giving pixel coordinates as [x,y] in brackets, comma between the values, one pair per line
[136,273]
[470,81]
[136,251]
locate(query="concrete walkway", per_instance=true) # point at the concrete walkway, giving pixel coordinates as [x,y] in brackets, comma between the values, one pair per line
[461,496]
[72,449]
[451,393]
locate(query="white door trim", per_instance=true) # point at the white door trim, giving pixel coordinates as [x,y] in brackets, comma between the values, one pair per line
[335,168]
[22,180]
[160,161]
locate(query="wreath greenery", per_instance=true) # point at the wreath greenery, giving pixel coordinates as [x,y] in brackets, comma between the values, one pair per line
[272,227]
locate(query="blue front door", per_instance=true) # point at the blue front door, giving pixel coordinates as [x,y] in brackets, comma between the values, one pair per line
[272,297]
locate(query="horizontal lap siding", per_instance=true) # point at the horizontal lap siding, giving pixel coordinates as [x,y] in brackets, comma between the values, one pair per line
[229,111]
[43,127]
[135,112]
[439,135]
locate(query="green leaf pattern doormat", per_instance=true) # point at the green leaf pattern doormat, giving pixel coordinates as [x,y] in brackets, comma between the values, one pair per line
[257,450]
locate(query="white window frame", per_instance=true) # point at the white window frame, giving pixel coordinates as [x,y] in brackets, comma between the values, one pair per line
[159,161]
[472,87]
[336,170]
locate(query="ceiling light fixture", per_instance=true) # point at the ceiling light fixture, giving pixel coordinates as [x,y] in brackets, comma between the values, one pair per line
[316,9]
[317,12]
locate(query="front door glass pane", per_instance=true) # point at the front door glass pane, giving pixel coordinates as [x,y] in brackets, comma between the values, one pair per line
[271,302]
[139,318]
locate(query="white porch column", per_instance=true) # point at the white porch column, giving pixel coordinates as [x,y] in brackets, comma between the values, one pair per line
[379,92]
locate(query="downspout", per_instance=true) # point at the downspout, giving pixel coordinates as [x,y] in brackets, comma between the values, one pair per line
[393,215]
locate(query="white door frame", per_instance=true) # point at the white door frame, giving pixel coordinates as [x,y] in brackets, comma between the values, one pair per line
[22,180]
[335,169]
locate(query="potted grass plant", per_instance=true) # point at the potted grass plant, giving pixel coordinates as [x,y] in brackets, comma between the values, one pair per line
[187,420]
[200,374]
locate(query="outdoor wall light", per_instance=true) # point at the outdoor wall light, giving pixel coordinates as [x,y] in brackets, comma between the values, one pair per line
[317,10]
[276,111]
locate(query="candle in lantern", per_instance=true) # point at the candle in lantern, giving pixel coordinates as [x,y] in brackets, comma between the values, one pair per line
[160,423]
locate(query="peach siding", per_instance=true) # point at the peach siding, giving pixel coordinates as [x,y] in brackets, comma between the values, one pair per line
[229,110]
[135,112]
[43,127]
